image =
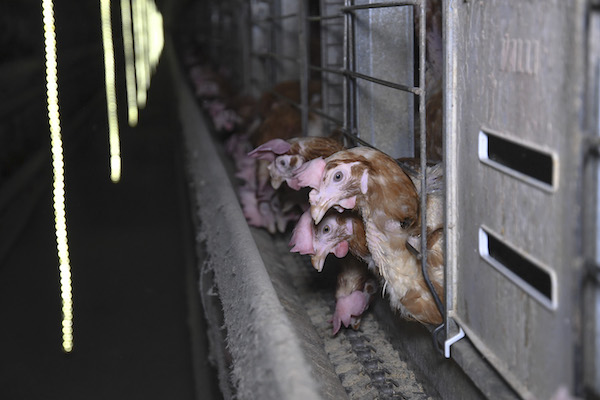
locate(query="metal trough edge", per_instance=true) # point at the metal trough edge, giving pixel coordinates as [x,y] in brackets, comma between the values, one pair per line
[267,357]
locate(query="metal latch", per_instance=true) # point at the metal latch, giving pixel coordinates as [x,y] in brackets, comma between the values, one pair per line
[450,341]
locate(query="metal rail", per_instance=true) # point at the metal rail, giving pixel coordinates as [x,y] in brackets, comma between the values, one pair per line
[275,56]
[349,130]
[273,19]
[414,90]
[423,155]
[356,75]
[317,18]
[357,7]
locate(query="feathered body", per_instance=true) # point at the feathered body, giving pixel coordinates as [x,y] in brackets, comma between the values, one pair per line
[272,117]
[286,156]
[338,233]
[435,192]
[290,90]
[372,183]
[355,284]
[354,293]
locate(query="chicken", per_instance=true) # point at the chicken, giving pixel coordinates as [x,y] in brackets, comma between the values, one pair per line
[435,191]
[229,115]
[208,83]
[337,233]
[285,121]
[281,120]
[290,90]
[276,120]
[359,177]
[224,119]
[354,292]
[355,285]
[435,256]
[286,156]
[213,86]
[373,184]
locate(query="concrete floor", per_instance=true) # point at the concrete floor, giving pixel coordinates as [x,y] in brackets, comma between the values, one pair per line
[131,250]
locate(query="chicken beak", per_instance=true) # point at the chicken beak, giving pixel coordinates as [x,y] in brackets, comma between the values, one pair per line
[318,208]
[276,179]
[318,260]
[318,212]
[276,182]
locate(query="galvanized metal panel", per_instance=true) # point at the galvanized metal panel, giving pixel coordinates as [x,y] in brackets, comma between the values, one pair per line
[275,44]
[244,41]
[230,53]
[515,75]
[384,49]
[260,71]
[286,42]
[591,231]
[332,53]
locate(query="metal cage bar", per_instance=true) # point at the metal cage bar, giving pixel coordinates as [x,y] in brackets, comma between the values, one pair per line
[350,127]
[380,5]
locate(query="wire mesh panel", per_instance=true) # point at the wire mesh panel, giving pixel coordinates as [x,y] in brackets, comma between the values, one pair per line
[275,44]
[384,81]
[383,48]
[514,79]
[260,66]
[380,69]
[332,53]
[220,32]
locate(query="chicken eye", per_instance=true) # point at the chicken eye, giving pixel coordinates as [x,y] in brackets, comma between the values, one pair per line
[326,229]
[282,162]
[338,176]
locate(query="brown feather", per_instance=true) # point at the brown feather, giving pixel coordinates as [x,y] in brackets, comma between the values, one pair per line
[313,147]
[389,209]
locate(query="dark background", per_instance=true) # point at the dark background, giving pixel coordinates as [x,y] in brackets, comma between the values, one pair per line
[131,244]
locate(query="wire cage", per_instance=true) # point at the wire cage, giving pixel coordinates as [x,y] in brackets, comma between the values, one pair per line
[510,109]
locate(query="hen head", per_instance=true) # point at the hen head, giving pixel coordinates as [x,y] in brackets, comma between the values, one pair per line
[360,178]
[331,235]
[282,169]
[348,310]
[336,183]
[282,165]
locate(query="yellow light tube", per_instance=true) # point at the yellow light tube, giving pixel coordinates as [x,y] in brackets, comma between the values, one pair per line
[58,173]
[132,110]
[111,97]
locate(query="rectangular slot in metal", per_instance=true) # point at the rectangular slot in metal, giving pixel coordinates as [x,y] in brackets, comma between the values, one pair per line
[526,273]
[517,159]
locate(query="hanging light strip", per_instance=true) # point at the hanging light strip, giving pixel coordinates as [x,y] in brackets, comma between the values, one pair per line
[111,97]
[156,35]
[140,50]
[58,171]
[145,40]
[132,110]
